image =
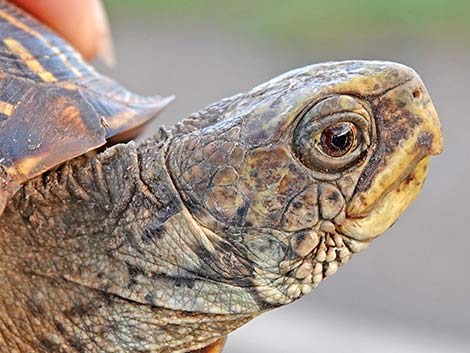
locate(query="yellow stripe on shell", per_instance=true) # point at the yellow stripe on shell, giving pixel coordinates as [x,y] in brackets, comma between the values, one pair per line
[17,23]
[22,170]
[29,60]
[6,108]
[117,121]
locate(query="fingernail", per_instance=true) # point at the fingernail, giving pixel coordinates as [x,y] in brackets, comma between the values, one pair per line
[105,49]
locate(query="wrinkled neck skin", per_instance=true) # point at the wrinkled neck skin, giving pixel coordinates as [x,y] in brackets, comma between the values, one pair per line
[165,247]
[100,255]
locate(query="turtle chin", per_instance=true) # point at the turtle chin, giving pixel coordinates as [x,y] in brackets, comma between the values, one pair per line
[365,222]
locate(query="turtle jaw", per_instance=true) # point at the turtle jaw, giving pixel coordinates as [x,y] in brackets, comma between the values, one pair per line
[409,132]
[388,206]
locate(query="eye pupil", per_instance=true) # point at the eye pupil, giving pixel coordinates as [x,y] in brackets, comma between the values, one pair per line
[338,139]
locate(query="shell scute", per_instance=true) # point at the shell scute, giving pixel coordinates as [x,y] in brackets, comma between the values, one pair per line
[54,106]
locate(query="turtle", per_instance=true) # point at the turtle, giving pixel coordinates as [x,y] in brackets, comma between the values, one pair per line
[170,245]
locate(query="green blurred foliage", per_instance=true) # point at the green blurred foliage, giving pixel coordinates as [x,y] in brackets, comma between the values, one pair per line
[300,20]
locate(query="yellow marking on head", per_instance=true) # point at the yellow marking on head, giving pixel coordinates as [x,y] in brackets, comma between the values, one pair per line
[387,210]
[29,60]
[17,23]
[6,108]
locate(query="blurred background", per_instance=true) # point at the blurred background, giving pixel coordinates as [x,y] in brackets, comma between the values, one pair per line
[410,291]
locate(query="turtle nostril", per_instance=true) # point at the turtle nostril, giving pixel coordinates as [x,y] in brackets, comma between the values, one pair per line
[417,93]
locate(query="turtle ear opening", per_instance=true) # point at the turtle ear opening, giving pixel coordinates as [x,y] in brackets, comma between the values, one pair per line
[333,135]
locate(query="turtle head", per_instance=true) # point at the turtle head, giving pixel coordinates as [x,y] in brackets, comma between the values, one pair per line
[371,131]
[308,168]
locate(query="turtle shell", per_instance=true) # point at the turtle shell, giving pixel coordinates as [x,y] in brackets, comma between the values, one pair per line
[53,106]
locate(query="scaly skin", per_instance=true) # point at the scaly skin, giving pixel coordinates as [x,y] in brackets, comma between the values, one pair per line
[168,246]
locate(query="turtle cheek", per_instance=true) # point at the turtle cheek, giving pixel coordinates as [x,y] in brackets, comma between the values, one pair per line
[282,195]
[269,190]
[301,211]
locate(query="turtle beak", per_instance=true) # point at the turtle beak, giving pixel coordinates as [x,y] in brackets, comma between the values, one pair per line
[408,132]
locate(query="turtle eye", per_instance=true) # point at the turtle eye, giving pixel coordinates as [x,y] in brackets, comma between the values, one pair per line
[339,139]
[334,134]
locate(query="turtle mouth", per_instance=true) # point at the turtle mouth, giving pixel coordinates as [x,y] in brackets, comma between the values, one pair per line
[366,223]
